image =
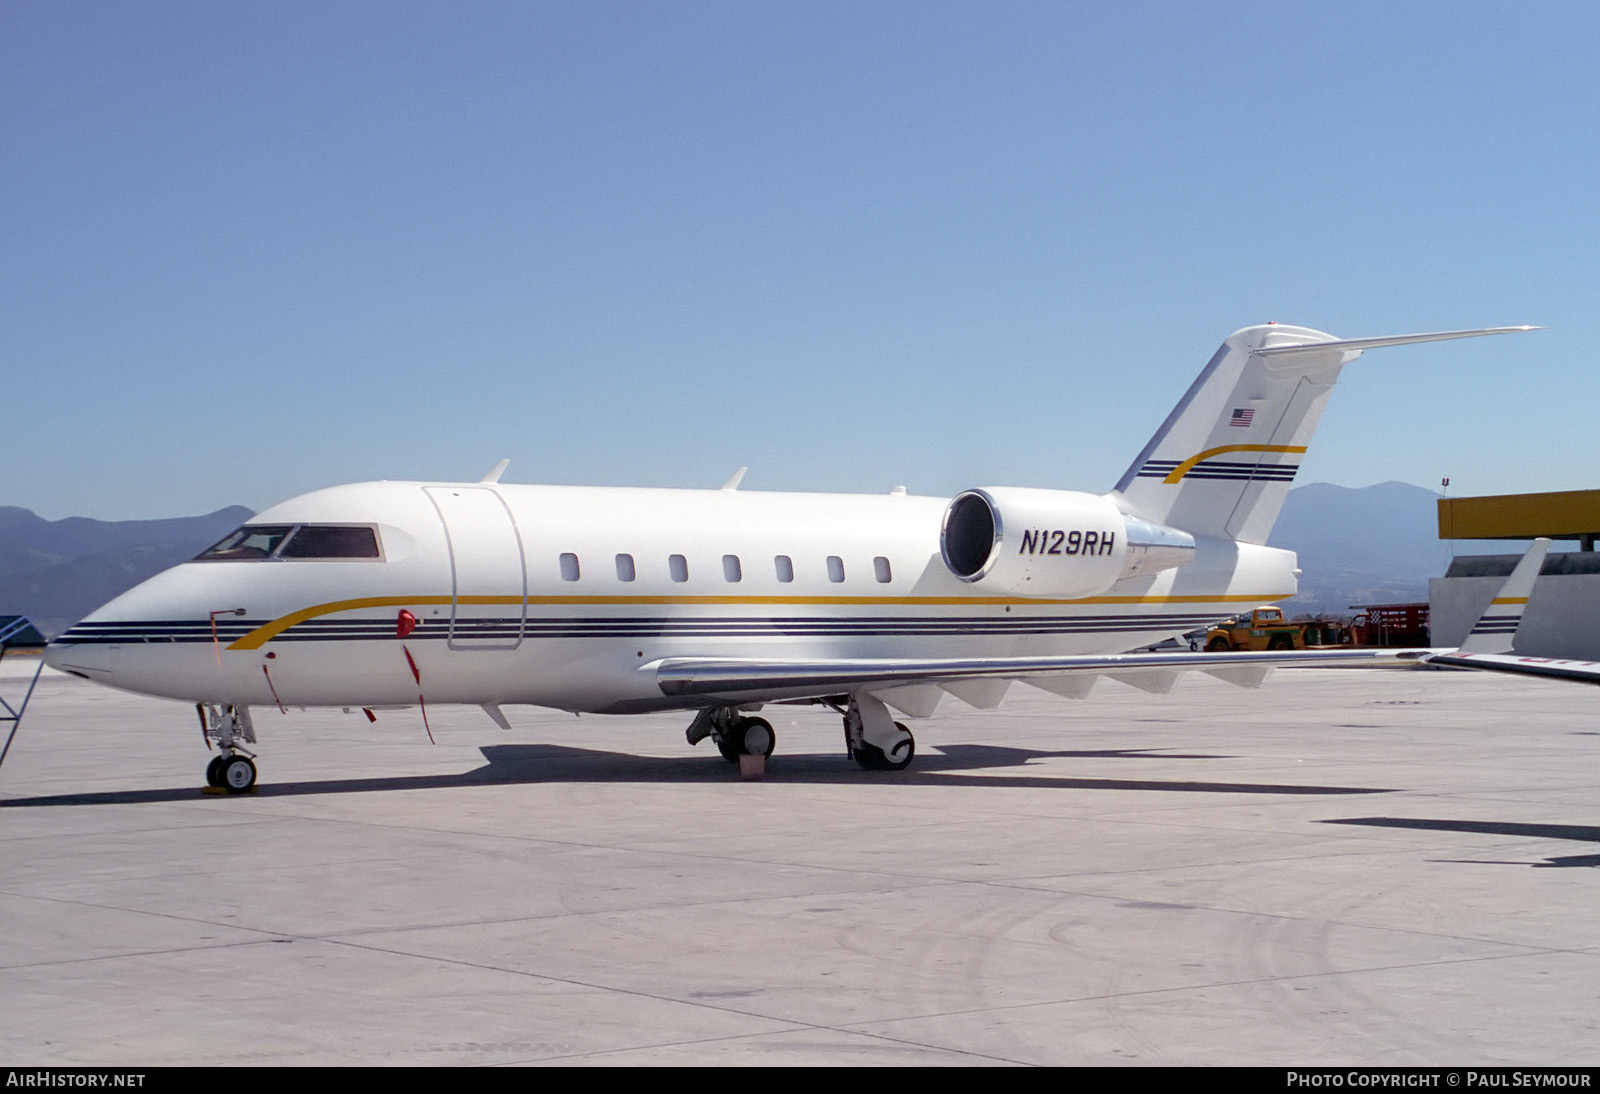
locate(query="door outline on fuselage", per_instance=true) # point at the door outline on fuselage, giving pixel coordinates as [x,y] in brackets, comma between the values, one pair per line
[478,559]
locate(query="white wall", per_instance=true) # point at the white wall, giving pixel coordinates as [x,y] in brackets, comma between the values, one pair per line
[1563,617]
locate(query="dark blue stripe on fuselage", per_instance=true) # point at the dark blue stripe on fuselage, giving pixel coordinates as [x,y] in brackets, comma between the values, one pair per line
[640,627]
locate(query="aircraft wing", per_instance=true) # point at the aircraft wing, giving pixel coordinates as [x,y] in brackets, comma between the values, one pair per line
[1585,672]
[914,685]
[976,680]
[1489,645]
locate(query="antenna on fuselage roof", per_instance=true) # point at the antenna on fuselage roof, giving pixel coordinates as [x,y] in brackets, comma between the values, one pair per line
[496,471]
[735,479]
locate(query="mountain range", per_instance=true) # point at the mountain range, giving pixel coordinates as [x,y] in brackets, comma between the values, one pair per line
[1374,545]
[55,572]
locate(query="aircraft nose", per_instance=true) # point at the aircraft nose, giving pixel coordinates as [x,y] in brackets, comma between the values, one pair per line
[94,660]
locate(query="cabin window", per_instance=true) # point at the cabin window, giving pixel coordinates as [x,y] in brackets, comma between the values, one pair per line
[678,567]
[625,570]
[835,569]
[253,541]
[331,541]
[880,568]
[785,567]
[730,568]
[569,566]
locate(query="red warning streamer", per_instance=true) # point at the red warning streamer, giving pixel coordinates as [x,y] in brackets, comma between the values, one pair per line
[272,689]
[416,674]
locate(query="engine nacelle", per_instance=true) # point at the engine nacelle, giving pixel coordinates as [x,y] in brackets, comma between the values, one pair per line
[1053,543]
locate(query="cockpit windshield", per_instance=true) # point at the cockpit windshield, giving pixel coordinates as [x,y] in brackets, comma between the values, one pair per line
[251,541]
[255,542]
[331,541]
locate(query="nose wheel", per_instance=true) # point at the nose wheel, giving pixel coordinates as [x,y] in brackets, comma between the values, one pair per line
[239,774]
[232,770]
[236,773]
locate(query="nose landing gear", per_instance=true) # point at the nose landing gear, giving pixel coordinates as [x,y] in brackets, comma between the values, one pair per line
[234,770]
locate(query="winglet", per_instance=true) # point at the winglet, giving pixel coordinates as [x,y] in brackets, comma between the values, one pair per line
[496,471]
[1496,630]
[734,479]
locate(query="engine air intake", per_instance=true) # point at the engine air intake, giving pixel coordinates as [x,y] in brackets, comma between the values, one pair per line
[1053,543]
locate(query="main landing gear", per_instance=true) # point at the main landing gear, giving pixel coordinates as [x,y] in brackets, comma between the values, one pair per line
[734,734]
[230,728]
[874,739]
[871,736]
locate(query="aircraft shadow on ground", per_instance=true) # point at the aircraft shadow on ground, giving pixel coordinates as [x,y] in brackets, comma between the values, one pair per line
[1581,833]
[952,765]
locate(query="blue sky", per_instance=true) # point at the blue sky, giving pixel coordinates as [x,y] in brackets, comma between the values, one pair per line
[250,250]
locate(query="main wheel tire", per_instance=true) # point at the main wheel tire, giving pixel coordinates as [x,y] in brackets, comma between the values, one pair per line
[214,770]
[899,758]
[730,744]
[870,757]
[758,739]
[238,774]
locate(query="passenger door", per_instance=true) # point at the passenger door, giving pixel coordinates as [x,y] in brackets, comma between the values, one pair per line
[489,579]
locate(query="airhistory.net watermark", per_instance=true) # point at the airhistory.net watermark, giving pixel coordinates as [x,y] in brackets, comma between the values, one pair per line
[51,1078]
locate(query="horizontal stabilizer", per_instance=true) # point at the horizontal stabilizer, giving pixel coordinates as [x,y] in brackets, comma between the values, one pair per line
[1358,344]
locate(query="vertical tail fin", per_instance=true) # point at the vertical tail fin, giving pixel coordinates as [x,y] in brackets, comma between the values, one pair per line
[1496,629]
[1222,462]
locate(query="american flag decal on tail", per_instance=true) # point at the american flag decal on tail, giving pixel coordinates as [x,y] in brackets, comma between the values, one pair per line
[1241,416]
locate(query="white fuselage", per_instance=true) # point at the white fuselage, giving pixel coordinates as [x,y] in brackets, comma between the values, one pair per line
[502,617]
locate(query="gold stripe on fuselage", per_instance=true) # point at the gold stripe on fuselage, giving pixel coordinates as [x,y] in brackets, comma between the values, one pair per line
[268,631]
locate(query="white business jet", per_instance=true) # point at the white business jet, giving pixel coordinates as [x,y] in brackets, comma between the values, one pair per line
[404,594]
